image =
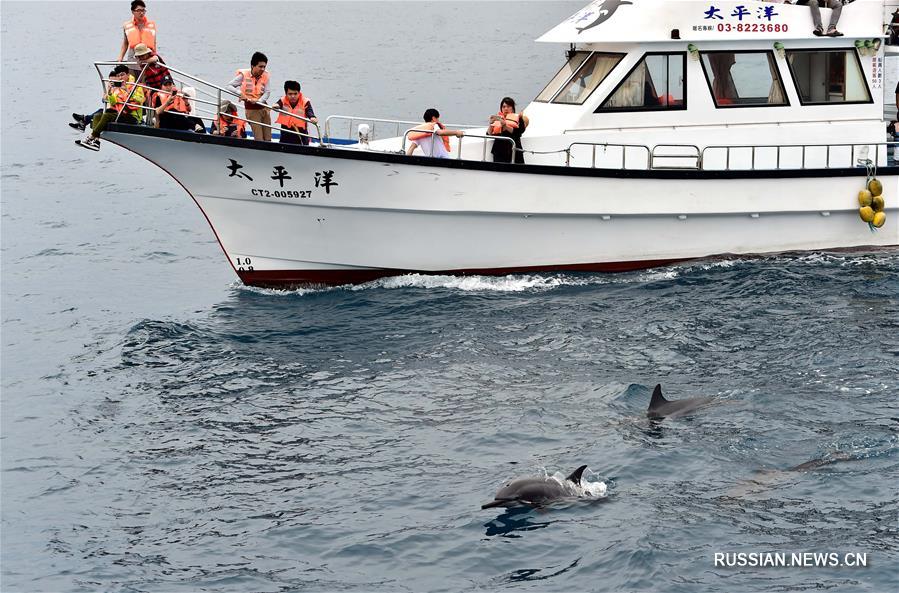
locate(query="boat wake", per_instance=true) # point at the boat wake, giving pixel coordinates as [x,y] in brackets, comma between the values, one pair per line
[544,282]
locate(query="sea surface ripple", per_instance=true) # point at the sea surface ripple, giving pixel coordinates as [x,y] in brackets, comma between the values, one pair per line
[167,429]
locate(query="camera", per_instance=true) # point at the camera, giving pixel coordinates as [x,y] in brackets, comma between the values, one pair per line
[116,83]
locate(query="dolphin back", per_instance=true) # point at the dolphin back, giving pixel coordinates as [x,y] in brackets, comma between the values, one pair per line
[576,475]
[658,400]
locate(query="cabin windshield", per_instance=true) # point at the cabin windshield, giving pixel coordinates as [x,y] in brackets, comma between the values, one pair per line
[579,77]
[574,62]
[743,79]
[829,76]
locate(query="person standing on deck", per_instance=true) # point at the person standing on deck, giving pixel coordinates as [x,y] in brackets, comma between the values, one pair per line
[293,129]
[139,29]
[252,85]
[507,124]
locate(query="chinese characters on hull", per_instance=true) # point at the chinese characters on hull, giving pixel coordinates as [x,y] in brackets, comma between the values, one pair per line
[322,179]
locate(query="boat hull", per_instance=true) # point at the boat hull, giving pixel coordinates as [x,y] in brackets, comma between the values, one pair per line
[287,215]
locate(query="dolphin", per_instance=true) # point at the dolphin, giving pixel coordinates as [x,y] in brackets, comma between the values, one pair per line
[767,479]
[606,10]
[659,407]
[535,491]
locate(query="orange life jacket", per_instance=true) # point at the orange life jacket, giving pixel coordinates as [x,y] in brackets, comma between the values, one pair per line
[147,35]
[419,135]
[512,120]
[252,87]
[178,104]
[121,94]
[289,121]
[224,120]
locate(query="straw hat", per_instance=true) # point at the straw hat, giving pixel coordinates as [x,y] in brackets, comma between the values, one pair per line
[227,106]
[141,49]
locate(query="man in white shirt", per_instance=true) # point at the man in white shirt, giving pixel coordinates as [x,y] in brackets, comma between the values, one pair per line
[429,131]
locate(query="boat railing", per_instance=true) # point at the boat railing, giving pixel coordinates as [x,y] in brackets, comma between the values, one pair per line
[397,125]
[745,157]
[483,137]
[624,148]
[802,154]
[208,89]
[675,156]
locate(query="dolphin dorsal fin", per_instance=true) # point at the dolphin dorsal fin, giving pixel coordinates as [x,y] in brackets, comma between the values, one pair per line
[576,475]
[657,398]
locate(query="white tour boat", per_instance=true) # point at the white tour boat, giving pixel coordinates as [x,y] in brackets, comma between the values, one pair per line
[676,130]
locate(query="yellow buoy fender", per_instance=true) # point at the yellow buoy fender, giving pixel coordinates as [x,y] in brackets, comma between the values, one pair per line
[879,219]
[877,203]
[875,187]
[864,198]
[867,213]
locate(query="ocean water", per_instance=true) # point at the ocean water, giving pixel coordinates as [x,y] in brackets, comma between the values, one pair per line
[166,429]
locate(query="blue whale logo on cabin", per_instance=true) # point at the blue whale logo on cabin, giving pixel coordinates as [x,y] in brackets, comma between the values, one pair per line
[602,10]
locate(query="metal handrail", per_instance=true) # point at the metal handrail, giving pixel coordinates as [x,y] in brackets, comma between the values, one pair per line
[697,157]
[374,120]
[804,150]
[220,90]
[605,145]
[459,147]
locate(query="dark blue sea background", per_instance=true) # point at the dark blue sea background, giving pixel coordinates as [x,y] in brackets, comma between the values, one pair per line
[166,429]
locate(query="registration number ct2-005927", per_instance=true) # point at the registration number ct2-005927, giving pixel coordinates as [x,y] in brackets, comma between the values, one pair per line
[281,193]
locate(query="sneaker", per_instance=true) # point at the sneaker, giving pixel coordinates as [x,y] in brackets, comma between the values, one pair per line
[79,126]
[832,32]
[818,32]
[89,142]
[78,117]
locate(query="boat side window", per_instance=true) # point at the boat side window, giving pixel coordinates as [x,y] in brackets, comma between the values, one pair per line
[656,83]
[574,62]
[828,76]
[743,79]
[592,72]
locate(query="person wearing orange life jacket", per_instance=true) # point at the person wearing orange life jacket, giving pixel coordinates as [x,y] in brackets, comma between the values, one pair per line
[139,29]
[252,86]
[293,128]
[508,124]
[226,122]
[123,100]
[431,130]
[173,109]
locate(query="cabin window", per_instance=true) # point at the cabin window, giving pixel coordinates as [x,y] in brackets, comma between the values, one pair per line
[574,62]
[587,77]
[655,83]
[830,76]
[743,79]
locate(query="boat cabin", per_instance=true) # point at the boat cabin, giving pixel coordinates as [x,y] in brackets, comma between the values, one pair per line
[710,72]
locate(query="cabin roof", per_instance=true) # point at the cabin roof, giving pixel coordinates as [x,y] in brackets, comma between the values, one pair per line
[647,21]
